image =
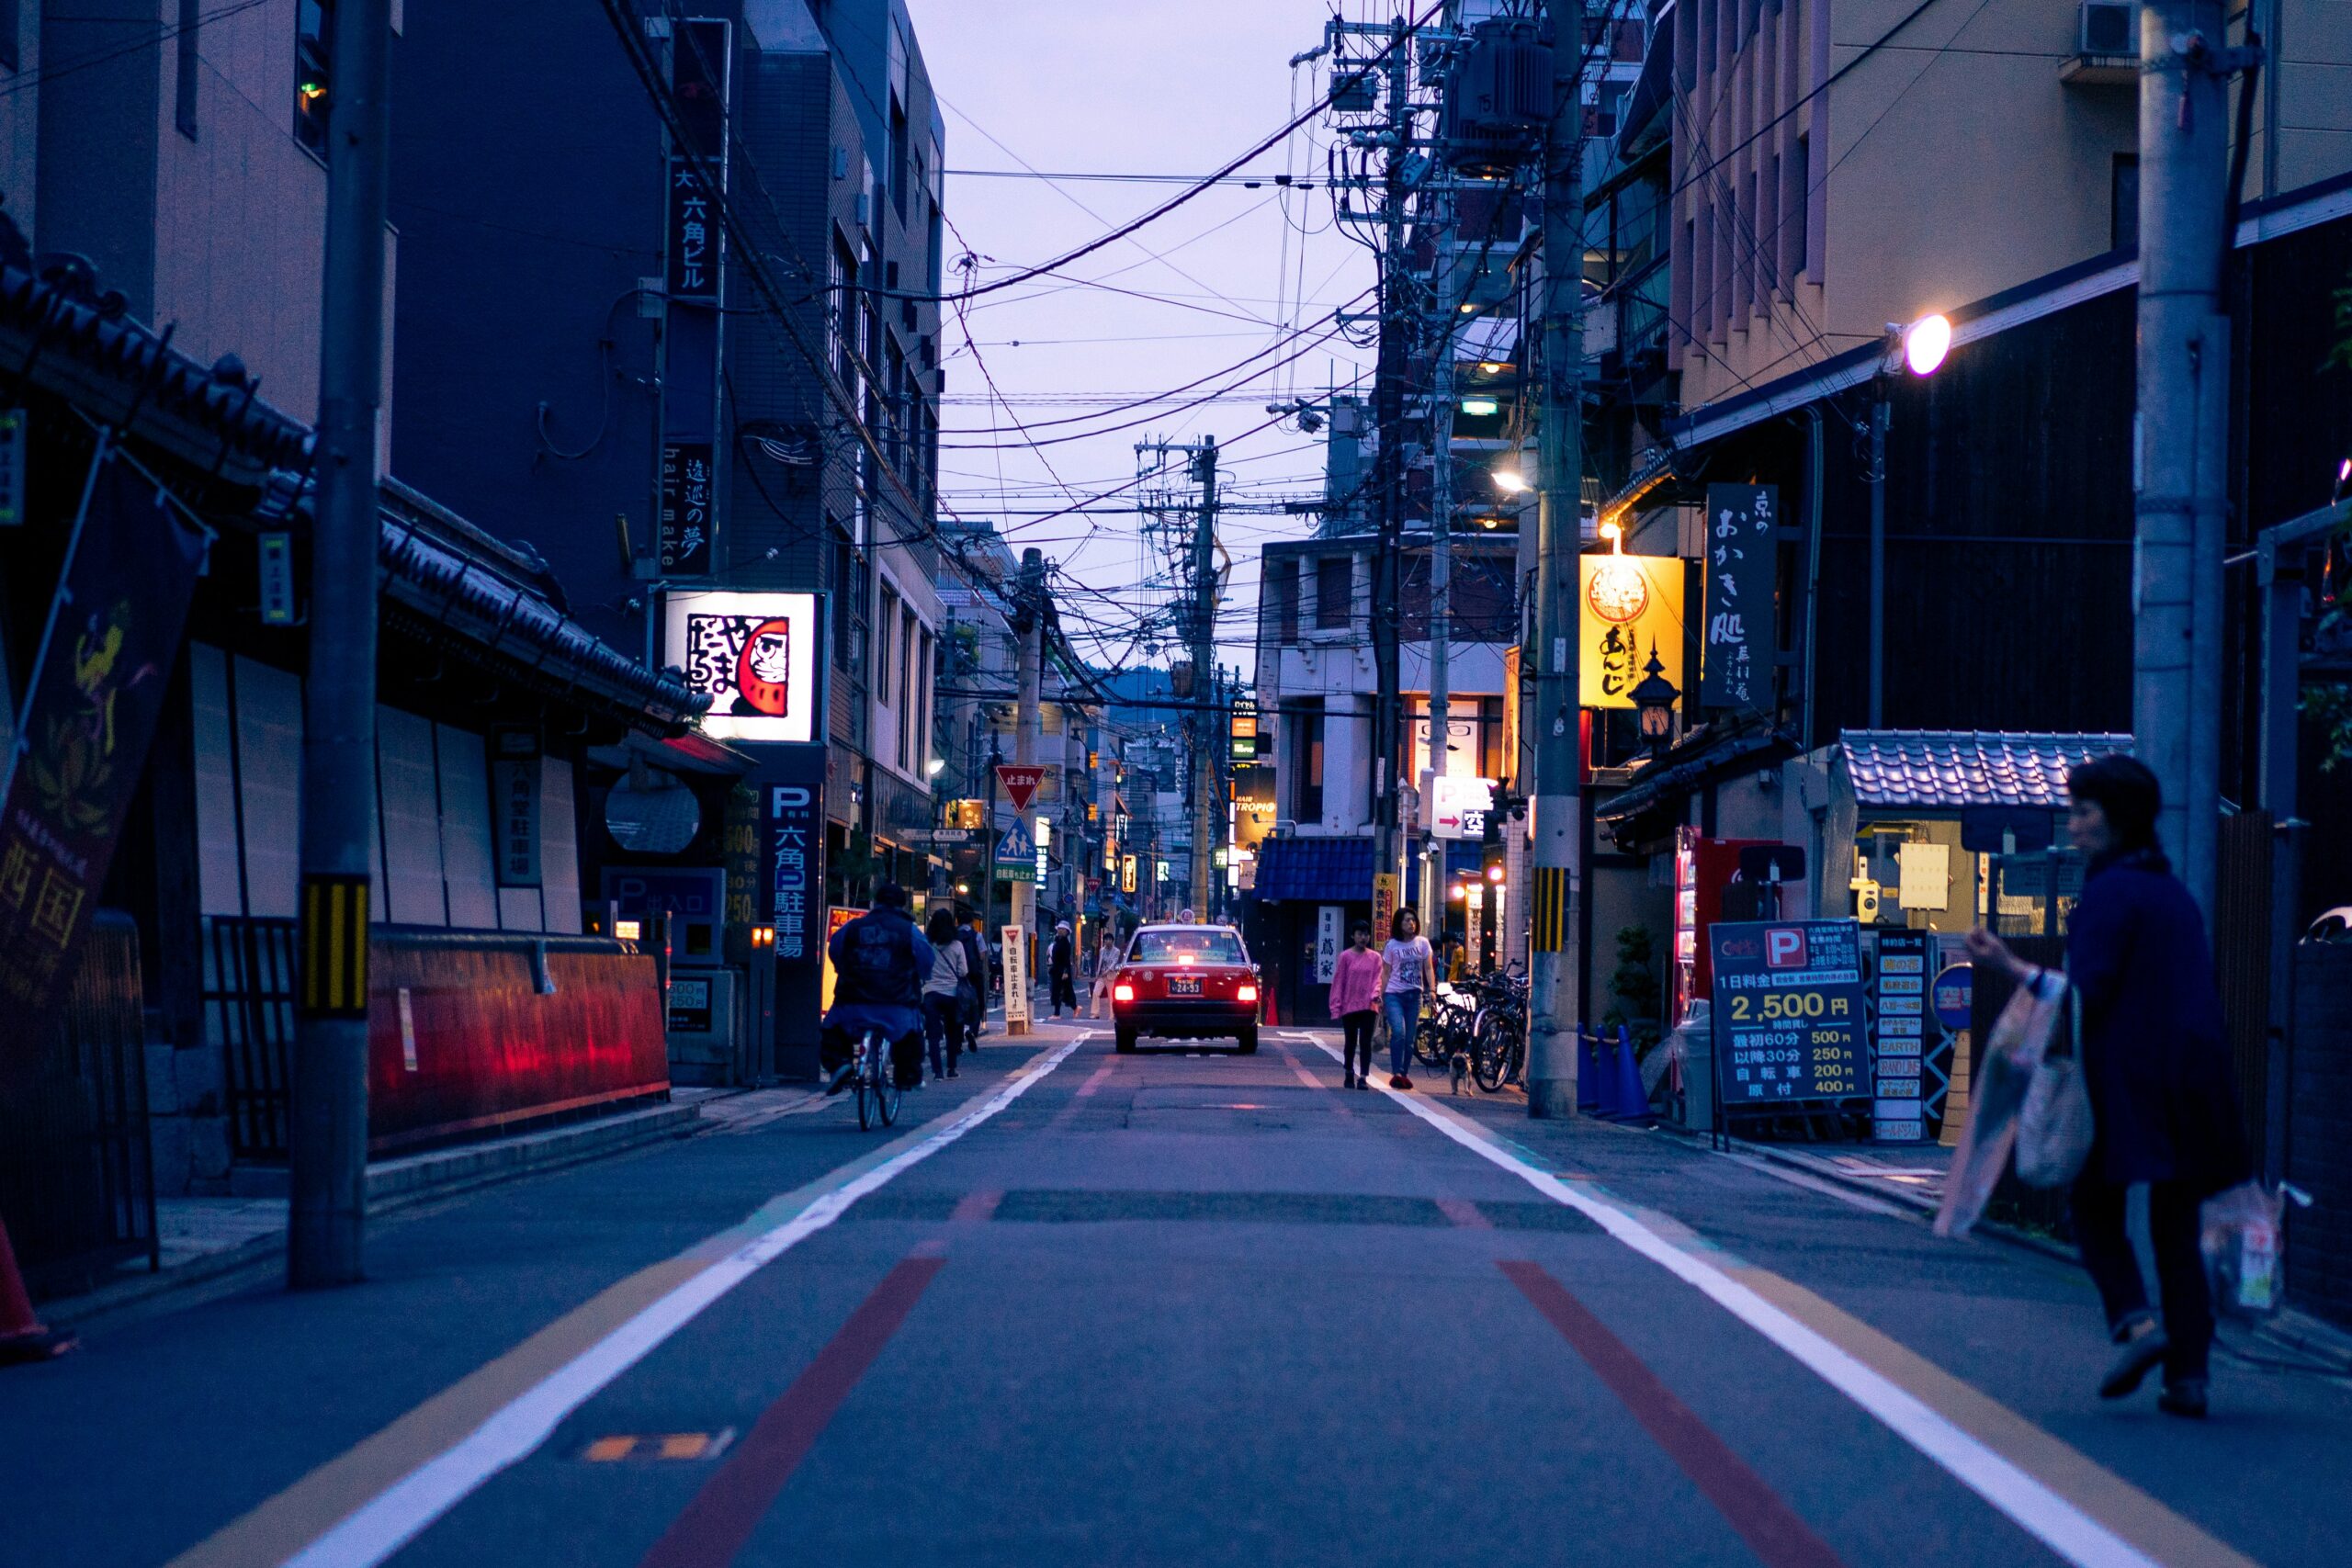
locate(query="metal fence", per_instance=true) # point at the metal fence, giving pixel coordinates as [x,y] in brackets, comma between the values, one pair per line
[249,1008]
[78,1179]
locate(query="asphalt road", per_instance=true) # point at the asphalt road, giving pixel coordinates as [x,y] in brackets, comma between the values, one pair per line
[1170,1308]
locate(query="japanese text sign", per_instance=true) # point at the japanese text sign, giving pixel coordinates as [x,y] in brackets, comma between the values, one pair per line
[1788,1010]
[1740,535]
[1626,606]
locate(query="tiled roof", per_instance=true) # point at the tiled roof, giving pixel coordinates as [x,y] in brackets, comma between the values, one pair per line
[1303,869]
[1963,767]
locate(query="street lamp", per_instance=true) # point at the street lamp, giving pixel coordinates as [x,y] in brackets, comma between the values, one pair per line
[1654,697]
[936,766]
[1922,346]
[1510,481]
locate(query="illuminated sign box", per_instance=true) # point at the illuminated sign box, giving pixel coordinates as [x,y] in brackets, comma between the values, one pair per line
[755,654]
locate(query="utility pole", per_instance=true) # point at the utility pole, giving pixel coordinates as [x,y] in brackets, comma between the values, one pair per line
[1559,462]
[1440,557]
[1388,705]
[1029,622]
[1203,629]
[327,1120]
[1878,416]
[2183,437]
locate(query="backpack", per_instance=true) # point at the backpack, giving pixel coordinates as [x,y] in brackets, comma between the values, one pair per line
[877,962]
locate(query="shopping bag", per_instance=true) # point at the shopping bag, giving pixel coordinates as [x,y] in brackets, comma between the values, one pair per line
[1380,1029]
[2243,1235]
[2054,1125]
[1996,1094]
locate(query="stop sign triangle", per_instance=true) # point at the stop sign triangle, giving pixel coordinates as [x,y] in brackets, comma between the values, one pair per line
[1020,780]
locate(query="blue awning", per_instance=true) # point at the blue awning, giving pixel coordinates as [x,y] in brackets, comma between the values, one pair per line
[1330,871]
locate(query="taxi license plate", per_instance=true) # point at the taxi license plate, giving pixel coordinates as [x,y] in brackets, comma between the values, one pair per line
[1184,984]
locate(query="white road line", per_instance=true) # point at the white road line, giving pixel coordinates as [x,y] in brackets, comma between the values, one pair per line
[2040,1512]
[402,1512]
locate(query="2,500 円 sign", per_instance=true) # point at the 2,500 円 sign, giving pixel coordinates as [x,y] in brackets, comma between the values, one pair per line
[1788,1011]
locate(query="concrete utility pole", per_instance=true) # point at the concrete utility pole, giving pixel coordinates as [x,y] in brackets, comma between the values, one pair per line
[327,1120]
[1389,704]
[1204,627]
[1030,623]
[2183,446]
[1441,555]
[1559,464]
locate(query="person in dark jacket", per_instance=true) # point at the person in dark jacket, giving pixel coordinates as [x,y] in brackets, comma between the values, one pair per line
[1061,969]
[976,997]
[2162,1100]
[880,962]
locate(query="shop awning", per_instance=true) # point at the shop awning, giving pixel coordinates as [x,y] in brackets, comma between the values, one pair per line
[1310,870]
[1905,769]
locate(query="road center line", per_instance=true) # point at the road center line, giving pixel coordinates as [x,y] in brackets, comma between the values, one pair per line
[357,1510]
[2055,1520]
[1777,1533]
[717,1525]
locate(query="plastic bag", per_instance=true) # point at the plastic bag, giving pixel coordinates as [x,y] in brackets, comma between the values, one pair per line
[2003,1072]
[2243,1239]
[2055,1125]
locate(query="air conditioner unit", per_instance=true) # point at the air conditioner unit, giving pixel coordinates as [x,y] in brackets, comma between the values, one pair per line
[2108,26]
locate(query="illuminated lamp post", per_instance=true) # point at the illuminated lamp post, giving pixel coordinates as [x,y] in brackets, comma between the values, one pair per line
[1921,348]
[1654,698]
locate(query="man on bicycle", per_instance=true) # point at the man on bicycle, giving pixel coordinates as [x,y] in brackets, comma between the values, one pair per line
[879,962]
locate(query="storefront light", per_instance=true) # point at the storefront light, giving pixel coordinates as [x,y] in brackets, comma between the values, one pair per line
[1925,344]
[629,931]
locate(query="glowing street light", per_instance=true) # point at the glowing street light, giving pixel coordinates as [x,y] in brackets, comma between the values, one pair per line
[1510,481]
[1925,344]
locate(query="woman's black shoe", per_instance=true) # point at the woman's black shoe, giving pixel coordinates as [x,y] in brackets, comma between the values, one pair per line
[2140,1356]
[2186,1398]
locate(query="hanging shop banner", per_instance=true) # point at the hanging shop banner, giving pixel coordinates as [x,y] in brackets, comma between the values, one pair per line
[700,68]
[1788,1010]
[756,655]
[791,781]
[1629,606]
[1385,890]
[1742,553]
[97,687]
[1902,998]
[1328,920]
[684,536]
[514,794]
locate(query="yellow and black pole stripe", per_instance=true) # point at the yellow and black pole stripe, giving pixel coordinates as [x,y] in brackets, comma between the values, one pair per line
[1548,922]
[334,947]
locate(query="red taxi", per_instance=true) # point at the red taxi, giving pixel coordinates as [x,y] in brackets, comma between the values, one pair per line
[1186,983]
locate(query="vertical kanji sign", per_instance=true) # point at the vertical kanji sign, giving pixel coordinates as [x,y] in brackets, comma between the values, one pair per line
[1741,535]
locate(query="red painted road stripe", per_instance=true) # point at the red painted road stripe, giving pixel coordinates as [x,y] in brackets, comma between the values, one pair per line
[1771,1528]
[1465,1213]
[730,1506]
[1094,1080]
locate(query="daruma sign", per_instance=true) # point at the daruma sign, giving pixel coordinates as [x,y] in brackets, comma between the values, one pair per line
[756,655]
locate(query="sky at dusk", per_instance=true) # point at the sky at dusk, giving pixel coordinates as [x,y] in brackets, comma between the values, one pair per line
[1081,86]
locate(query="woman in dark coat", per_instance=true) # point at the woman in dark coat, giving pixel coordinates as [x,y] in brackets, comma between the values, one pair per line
[2162,1100]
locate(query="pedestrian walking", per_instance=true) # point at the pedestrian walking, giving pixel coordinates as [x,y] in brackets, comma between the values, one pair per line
[975,937]
[1106,964]
[1061,969]
[942,995]
[1356,982]
[1410,974]
[2164,1103]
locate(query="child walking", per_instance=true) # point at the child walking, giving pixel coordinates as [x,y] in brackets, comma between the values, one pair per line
[1356,1002]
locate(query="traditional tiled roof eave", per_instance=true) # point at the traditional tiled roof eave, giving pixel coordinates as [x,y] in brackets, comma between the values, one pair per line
[1893,770]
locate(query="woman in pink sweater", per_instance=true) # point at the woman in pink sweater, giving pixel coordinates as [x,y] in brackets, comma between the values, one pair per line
[1355,1001]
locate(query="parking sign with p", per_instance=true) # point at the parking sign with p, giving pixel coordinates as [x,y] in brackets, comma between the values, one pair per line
[1784,947]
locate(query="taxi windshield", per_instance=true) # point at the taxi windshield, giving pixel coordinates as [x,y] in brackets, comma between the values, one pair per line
[1175,947]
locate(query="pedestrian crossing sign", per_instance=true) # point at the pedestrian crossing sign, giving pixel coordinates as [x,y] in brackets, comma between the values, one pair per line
[1016,855]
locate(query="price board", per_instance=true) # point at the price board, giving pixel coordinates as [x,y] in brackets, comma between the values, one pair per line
[1902,987]
[1788,1012]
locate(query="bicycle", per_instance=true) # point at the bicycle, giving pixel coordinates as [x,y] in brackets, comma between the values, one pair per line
[875,1079]
[1499,1032]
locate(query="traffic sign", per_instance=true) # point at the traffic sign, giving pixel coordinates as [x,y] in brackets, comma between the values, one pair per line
[1955,996]
[1016,855]
[1020,780]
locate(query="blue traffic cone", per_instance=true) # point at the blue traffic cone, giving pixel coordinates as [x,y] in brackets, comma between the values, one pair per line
[1634,1102]
[1587,1073]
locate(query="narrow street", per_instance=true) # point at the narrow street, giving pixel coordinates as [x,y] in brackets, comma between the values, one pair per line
[1083,1307]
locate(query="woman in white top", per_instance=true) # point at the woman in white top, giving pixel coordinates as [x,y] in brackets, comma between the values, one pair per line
[1411,971]
[1106,963]
[943,993]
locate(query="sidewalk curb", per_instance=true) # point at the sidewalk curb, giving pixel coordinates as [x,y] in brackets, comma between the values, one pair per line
[394,1185]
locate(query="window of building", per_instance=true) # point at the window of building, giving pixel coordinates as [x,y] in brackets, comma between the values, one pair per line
[314,26]
[1800,223]
[841,273]
[185,61]
[900,157]
[2123,201]
[886,626]
[11,15]
[908,698]
[1285,577]
[1335,579]
[1306,798]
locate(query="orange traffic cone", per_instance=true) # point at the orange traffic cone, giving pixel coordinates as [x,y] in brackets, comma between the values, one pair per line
[22,1337]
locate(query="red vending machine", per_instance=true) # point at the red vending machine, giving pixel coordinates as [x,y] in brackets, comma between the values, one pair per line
[1702,869]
